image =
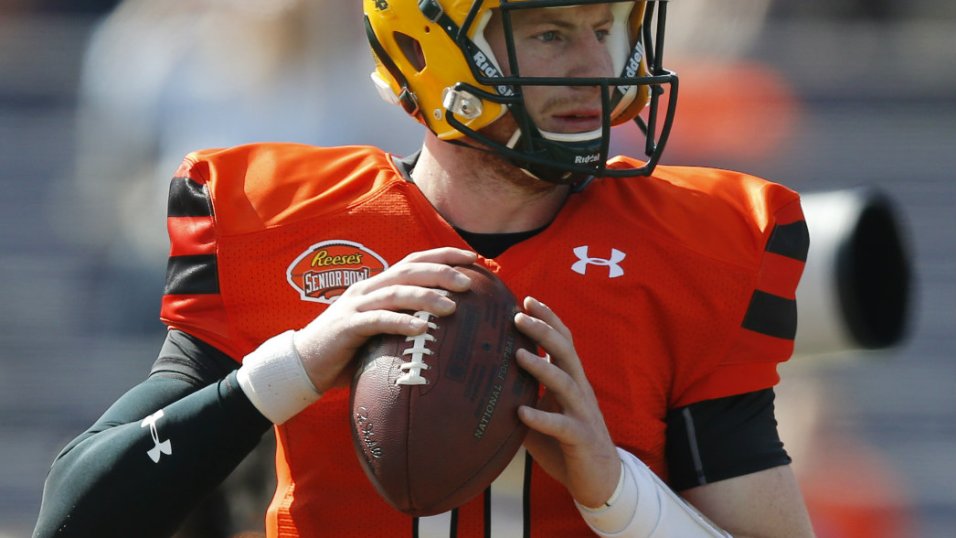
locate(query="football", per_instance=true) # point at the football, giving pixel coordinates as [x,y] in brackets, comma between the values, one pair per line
[434,417]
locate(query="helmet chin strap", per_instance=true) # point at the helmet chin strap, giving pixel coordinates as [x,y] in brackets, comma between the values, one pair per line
[557,158]
[552,174]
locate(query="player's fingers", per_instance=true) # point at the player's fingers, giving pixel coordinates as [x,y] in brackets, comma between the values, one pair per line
[543,312]
[544,334]
[424,274]
[561,386]
[409,298]
[367,324]
[554,425]
[328,343]
[554,343]
[444,255]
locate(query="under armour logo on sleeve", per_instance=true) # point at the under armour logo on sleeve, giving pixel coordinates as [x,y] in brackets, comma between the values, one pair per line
[584,260]
[160,447]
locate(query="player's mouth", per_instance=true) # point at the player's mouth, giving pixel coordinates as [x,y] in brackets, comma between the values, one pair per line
[575,121]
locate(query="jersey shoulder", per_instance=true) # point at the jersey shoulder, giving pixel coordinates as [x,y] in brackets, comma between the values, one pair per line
[258,186]
[744,241]
[721,214]
[221,201]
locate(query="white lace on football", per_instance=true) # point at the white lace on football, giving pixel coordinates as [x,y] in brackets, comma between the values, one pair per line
[413,368]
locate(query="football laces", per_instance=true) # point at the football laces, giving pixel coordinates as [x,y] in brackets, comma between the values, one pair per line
[413,368]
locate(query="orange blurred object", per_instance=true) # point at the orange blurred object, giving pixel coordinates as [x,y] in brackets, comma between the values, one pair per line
[852,491]
[728,108]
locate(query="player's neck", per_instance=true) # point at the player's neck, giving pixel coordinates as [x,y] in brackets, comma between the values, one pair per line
[482,193]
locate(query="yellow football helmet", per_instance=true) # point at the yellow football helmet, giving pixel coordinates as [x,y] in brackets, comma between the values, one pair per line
[432,58]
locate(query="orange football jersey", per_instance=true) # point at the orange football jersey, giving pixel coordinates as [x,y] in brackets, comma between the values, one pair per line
[678,288]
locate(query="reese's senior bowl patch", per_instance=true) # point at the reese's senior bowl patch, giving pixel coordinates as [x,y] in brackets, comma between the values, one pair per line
[326,269]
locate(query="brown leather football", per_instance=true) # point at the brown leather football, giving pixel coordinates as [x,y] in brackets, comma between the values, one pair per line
[434,417]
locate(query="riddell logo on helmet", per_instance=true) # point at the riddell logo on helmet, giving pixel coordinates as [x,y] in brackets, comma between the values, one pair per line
[324,271]
[490,71]
[587,159]
[634,62]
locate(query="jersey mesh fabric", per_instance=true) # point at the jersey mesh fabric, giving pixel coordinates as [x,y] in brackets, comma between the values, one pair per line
[654,276]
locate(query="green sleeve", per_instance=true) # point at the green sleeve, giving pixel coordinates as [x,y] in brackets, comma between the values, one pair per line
[156,452]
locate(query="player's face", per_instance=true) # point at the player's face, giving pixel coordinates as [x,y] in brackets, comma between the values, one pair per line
[559,42]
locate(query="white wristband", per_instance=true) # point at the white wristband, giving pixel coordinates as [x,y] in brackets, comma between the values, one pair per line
[618,511]
[643,506]
[275,380]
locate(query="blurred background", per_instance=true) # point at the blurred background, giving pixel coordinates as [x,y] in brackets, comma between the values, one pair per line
[100,100]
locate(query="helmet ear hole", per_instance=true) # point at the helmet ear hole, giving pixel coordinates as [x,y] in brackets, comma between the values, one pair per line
[412,50]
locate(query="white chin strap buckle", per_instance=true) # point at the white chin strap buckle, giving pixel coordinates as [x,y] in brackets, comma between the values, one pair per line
[462,103]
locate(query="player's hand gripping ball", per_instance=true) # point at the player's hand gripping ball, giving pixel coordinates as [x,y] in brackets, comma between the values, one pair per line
[435,417]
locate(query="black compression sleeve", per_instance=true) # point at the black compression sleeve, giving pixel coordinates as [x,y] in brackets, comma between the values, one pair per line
[723,438]
[188,358]
[129,475]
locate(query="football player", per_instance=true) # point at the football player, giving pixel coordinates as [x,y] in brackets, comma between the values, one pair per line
[662,296]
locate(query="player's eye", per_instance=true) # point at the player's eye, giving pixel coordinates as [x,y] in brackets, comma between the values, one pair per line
[548,36]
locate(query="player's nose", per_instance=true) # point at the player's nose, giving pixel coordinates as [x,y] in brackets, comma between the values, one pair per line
[590,58]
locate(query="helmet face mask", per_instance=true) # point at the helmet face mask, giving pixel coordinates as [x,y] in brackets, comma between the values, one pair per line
[464,71]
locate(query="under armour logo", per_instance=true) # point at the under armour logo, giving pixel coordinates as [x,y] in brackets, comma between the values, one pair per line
[584,260]
[164,447]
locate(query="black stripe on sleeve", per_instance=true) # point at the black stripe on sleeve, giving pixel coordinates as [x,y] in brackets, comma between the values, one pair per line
[192,275]
[188,199]
[790,240]
[723,438]
[526,496]
[771,315]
